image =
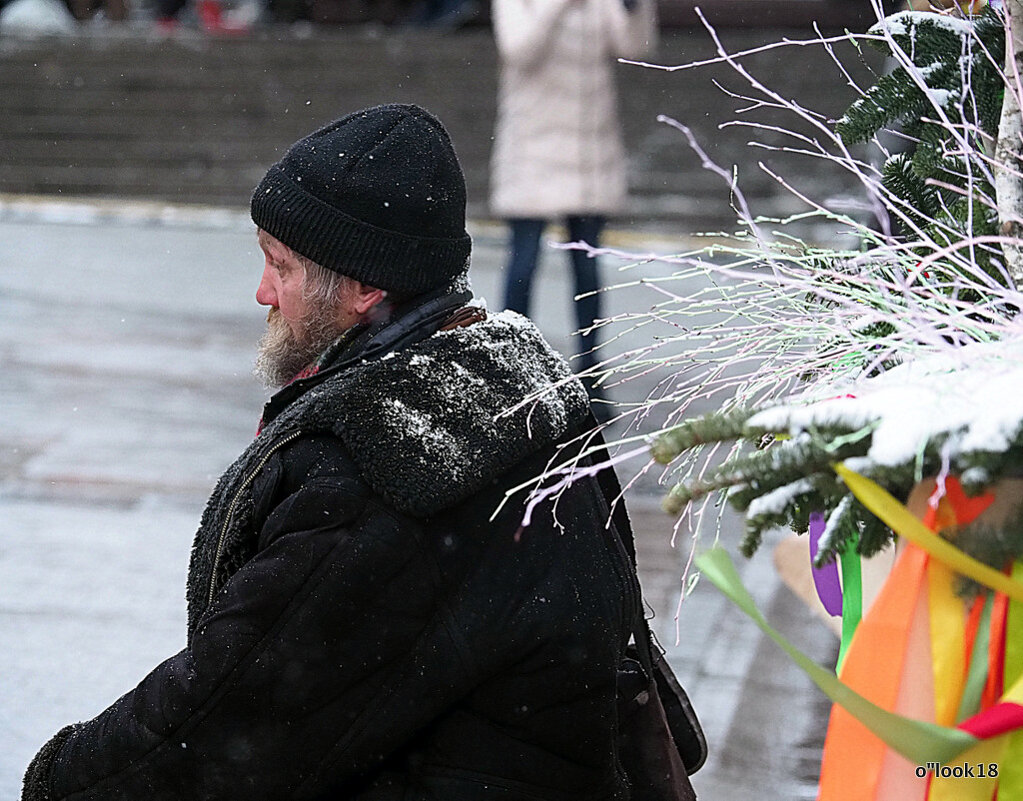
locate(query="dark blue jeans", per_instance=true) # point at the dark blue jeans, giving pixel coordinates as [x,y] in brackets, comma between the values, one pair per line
[524,246]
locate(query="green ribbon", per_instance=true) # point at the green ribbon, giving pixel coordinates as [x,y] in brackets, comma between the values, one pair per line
[918,741]
[852,598]
[976,674]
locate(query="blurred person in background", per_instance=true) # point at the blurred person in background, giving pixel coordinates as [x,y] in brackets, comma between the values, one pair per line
[558,151]
[210,16]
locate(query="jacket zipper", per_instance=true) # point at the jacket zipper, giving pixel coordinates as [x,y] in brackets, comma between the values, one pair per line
[234,502]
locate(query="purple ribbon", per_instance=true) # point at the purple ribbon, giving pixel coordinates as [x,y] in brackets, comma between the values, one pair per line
[825,579]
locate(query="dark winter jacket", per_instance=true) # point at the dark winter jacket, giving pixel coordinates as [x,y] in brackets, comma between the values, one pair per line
[368,618]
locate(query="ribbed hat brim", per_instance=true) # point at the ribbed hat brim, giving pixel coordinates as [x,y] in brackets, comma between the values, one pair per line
[389,260]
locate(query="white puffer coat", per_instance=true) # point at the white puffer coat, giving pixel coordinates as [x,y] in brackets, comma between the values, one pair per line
[558,146]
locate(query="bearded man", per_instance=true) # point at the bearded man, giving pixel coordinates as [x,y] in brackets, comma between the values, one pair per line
[369,616]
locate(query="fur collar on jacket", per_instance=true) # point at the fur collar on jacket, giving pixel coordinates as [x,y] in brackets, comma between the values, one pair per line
[431,424]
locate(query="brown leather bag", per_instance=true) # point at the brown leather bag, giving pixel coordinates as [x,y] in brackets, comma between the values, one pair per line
[649,757]
[658,750]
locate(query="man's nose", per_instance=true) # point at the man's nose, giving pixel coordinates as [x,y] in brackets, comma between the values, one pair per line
[265,293]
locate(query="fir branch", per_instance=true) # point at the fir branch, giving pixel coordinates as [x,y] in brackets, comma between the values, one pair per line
[753,476]
[892,99]
[839,528]
[904,181]
[874,535]
[714,427]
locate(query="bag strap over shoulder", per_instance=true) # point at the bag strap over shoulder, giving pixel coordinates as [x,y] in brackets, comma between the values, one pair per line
[682,720]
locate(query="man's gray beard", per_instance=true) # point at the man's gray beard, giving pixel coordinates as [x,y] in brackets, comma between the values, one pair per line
[281,355]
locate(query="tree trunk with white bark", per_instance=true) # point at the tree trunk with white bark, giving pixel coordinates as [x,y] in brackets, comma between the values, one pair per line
[1009,150]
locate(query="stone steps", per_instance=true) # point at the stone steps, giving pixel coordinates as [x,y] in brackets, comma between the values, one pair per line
[197,118]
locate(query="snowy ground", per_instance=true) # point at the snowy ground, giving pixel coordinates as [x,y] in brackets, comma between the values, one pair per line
[126,348]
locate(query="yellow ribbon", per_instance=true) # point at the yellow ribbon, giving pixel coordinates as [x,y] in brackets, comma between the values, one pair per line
[948,642]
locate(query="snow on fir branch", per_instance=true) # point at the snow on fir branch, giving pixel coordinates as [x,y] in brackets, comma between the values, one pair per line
[942,102]
[959,412]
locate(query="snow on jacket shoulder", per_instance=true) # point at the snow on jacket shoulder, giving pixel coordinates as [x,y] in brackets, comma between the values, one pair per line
[363,626]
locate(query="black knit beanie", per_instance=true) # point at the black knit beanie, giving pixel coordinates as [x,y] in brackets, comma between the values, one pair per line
[378,196]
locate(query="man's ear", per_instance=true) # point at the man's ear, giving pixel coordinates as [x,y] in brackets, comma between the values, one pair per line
[365,297]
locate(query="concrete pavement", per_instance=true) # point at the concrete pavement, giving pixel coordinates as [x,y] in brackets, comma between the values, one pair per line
[126,340]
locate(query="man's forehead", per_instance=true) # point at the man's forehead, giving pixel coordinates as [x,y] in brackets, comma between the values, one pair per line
[264,239]
[271,244]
